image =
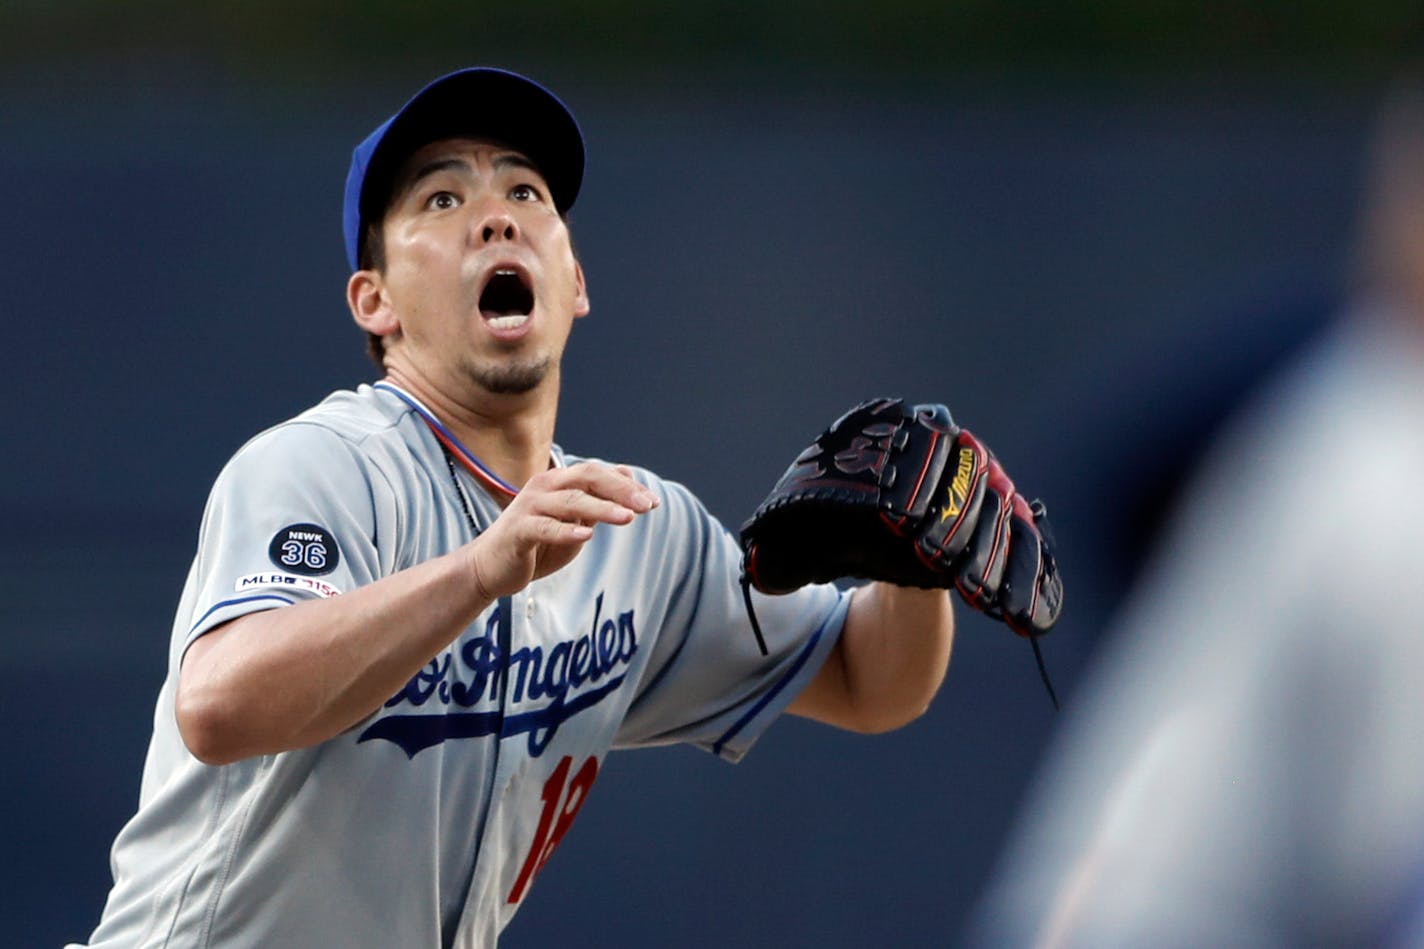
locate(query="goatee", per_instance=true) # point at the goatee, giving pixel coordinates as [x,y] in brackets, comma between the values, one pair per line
[514,378]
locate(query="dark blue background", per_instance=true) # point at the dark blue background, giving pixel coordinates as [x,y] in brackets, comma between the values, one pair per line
[1083,271]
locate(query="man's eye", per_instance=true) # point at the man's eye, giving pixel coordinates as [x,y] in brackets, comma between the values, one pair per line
[525,193]
[442,201]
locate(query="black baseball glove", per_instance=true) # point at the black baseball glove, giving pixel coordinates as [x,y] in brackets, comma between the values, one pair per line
[899,493]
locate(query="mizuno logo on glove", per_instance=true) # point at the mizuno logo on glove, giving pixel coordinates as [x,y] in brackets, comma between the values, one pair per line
[958,493]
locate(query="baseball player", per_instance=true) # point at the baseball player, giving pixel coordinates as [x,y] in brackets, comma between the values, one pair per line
[414,625]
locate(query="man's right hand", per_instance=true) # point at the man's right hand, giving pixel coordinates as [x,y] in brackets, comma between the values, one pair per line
[548,522]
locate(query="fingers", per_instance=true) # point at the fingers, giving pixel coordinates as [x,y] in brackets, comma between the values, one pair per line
[981,571]
[550,519]
[1031,596]
[595,492]
[1008,569]
[563,504]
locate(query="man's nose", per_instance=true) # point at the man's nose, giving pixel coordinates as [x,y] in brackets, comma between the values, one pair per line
[496,225]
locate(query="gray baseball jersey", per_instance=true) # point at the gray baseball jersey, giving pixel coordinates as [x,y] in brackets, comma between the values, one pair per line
[426,823]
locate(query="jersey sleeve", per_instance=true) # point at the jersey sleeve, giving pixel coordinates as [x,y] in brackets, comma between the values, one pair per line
[707,683]
[293,516]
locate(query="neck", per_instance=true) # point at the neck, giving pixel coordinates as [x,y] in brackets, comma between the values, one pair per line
[511,434]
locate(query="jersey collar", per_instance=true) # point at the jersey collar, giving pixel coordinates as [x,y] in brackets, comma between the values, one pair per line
[467,458]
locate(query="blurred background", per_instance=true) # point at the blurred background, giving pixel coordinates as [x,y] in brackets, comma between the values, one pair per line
[1087,227]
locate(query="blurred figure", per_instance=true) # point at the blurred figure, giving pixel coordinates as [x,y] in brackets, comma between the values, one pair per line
[1245,765]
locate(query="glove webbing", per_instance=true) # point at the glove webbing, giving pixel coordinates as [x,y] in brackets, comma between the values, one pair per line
[1032,641]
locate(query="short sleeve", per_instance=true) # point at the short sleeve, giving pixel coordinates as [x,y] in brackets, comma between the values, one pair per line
[293,516]
[707,682]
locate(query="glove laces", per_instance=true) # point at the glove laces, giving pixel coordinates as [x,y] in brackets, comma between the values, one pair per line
[751,614]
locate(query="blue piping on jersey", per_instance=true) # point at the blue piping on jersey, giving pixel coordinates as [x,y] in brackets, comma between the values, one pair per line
[762,703]
[242,599]
[436,424]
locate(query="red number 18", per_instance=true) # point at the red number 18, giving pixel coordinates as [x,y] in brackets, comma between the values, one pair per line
[559,813]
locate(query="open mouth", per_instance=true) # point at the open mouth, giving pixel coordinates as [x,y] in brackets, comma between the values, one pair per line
[507,300]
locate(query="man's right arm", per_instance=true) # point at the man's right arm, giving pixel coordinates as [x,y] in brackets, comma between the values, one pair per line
[293,677]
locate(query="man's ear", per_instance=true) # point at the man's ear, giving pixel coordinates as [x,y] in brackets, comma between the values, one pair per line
[370,307]
[581,304]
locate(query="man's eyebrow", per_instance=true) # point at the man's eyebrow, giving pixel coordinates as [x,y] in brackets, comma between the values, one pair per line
[431,168]
[515,160]
[412,181]
[435,166]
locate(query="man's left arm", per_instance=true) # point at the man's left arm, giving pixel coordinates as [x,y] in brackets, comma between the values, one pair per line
[889,662]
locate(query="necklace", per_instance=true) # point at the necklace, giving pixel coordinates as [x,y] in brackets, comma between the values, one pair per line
[460,491]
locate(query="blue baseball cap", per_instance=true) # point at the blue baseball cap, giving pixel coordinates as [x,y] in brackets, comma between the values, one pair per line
[481,102]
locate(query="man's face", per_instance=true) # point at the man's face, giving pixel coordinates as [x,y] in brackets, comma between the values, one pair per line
[480,273]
